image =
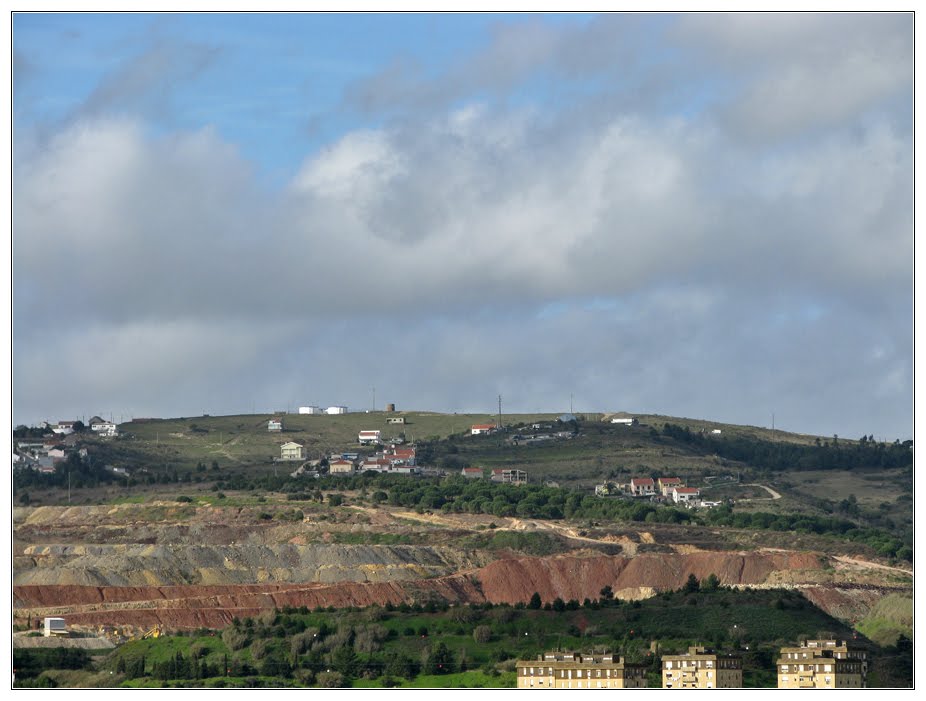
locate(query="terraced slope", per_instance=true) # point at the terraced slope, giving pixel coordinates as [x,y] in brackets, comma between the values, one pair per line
[202,566]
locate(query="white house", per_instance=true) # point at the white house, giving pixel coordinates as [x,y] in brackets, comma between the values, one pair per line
[64,428]
[479,429]
[716,432]
[292,451]
[368,437]
[684,495]
[313,410]
[275,424]
[336,410]
[102,427]
[624,422]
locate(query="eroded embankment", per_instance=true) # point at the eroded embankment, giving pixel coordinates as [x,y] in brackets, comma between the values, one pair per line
[502,581]
[133,565]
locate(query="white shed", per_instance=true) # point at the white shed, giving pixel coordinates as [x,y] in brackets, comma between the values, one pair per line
[55,626]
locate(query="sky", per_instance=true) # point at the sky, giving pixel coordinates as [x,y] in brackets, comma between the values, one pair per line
[697,215]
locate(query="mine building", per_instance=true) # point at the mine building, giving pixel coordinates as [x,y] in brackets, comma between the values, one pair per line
[55,626]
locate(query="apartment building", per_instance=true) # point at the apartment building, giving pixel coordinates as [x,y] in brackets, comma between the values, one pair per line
[823,664]
[574,670]
[702,668]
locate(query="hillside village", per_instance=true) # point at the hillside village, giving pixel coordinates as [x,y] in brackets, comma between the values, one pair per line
[374,451]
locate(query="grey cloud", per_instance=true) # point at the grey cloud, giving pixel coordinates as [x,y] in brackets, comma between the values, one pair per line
[145,85]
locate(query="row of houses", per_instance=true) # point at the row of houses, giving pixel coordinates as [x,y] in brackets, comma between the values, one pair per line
[669,488]
[395,459]
[99,426]
[815,664]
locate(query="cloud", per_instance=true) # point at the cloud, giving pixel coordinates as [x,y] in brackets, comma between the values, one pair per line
[145,84]
[794,72]
[637,258]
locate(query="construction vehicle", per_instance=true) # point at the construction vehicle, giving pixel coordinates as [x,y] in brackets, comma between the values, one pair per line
[153,633]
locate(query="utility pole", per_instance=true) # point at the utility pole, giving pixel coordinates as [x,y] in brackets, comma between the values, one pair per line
[374,397]
[570,403]
[499,412]
[773,420]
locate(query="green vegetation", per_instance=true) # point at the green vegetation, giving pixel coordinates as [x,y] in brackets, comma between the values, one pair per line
[888,620]
[438,646]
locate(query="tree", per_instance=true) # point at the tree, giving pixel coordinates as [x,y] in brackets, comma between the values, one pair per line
[712,583]
[691,585]
[607,593]
[482,634]
[559,604]
[535,602]
[440,660]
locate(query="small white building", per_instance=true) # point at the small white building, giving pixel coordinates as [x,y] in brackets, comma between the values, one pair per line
[368,437]
[312,410]
[55,626]
[63,428]
[480,429]
[624,422]
[336,410]
[275,424]
[716,432]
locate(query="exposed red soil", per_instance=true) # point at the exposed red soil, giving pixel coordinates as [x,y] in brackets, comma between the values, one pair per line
[503,581]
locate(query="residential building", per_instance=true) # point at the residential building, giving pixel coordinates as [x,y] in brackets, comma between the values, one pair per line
[401,456]
[64,427]
[685,495]
[336,410]
[311,410]
[642,486]
[379,464]
[667,484]
[624,422]
[474,473]
[480,429]
[573,670]
[509,476]
[275,424]
[368,437]
[702,668]
[101,427]
[292,451]
[823,664]
[341,467]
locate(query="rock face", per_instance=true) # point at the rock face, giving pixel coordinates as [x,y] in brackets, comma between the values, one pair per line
[503,581]
[183,566]
[128,565]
